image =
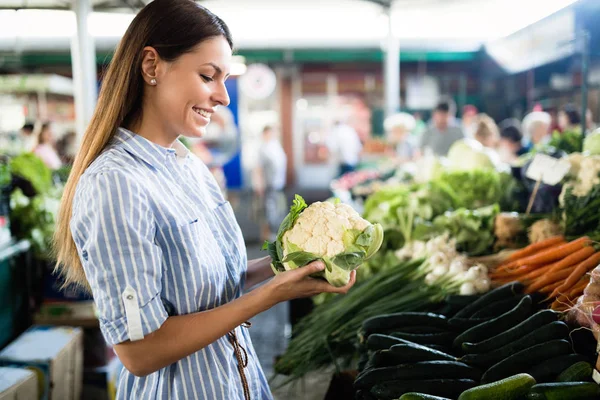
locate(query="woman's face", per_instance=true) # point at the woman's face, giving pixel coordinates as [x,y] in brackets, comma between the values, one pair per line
[189,89]
[539,132]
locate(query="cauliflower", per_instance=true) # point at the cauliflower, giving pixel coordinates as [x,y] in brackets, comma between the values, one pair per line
[327,231]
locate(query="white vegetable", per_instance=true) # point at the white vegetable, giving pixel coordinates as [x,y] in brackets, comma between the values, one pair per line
[457,267]
[440,270]
[482,285]
[430,279]
[467,289]
[438,258]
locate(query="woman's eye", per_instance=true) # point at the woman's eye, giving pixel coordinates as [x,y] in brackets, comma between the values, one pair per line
[207,78]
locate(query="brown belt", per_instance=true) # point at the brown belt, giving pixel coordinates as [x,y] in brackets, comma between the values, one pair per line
[242,358]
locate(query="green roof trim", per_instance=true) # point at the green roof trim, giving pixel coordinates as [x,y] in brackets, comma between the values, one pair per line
[275,56]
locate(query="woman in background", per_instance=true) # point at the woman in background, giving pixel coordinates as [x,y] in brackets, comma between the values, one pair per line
[45,149]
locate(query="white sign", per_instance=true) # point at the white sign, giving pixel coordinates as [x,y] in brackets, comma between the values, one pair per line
[548,169]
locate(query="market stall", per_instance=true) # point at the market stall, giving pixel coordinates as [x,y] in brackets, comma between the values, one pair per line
[485,286]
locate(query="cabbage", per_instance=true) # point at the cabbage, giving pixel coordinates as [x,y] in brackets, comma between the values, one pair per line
[591,144]
[469,154]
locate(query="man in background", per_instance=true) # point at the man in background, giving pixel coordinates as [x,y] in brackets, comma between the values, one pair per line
[345,146]
[443,130]
[269,183]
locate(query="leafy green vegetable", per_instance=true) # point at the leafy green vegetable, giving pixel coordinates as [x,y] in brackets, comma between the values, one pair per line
[5,175]
[568,141]
[30,167]
[472,229]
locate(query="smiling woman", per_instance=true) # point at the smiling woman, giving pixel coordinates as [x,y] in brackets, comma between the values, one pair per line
[145,228]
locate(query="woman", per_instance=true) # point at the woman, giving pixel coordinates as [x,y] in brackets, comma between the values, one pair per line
[536,127]
[486,131]
[398,128]
[145,227]
[569,119]
[45,148]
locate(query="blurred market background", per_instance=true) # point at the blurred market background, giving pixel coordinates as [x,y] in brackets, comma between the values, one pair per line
[324,84]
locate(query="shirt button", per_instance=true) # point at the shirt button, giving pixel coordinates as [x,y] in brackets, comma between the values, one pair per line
[84,254]
[129,297]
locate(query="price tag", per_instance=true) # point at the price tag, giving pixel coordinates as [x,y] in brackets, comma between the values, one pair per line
[548,169]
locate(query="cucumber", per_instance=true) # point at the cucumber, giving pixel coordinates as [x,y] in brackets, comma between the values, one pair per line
[565,391]
[496,325]
[579,372]
[461,300]
[500,293]
[525,359]
[511,388]
[420,396]
[407,353]
[502,339]
[438,387]
[462,324]
[554,330]
[419,370]
[363,361]
[387,322]
[443,338]
[417,329]
[378,341]
[498,308]
[548,371]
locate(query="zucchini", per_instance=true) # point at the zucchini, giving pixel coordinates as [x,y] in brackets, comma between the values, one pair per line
[496,325]
[364,395]
[378,341]
[525,359]
[363,361]
[420,396]
[419,370]
[554,330]
[579,372]
[438,387]
[502,339]
[498,308]
[443,338]
[511,388]
[407,353]
[388,322]
[462,324]
[548,371]
[500,293]
[565,391]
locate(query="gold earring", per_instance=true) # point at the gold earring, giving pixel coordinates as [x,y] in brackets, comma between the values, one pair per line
[153,81]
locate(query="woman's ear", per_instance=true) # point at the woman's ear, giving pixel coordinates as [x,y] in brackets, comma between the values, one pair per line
[150,65]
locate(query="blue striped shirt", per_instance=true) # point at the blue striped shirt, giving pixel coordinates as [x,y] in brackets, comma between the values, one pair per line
[152,229]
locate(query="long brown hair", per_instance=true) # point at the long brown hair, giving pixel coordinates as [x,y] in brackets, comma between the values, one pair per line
[173,28]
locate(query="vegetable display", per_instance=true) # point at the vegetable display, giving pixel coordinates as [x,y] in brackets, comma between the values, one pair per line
[333,233]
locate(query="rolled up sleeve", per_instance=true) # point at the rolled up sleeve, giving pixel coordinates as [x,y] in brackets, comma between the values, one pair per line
[114,227]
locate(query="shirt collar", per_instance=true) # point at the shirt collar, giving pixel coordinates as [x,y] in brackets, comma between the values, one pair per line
[150,152]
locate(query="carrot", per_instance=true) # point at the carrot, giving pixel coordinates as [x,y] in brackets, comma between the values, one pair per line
[580,271]
[555,253]
[548,279]
[506,266]
[535,247]
[549,288]
[534,274]
[575,258]
[575,292]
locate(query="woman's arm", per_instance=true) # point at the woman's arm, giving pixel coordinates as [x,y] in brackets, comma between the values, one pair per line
[259,270]
[183,335]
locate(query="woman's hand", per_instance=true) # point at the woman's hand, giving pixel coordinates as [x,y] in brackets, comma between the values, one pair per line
[298,283]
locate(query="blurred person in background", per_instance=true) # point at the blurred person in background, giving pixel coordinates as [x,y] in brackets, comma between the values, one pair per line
[589,121]
[486,131]
[536,128]
[443,129]
[510,146]
[345,146]
[269,183]
[28,139]
[469,120]
[398,128]
[569,118]
[45,149]
[67,148]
